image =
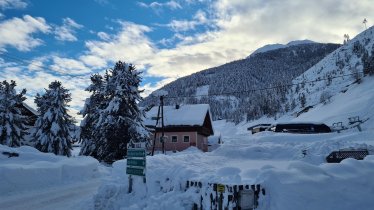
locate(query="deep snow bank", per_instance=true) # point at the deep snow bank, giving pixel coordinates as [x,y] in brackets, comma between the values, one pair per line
[346,185]
[273,160]
[34,170]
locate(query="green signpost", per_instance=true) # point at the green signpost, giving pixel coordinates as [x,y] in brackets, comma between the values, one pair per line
[136,152]
[136,162]
[135,171]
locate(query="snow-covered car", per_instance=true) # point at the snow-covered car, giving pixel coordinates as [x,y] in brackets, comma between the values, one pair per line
[258,128]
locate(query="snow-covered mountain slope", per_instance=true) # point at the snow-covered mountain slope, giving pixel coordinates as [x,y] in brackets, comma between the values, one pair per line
[336,73]
[226,88]
[358,100]
[270,47]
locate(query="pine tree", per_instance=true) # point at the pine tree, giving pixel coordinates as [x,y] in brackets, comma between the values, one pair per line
[91,113]
[302,99]
[12,122]
[121,119]
[368,62]
[52,129]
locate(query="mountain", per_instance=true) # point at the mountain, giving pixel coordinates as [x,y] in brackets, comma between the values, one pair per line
[335,74]
[270,47]
[229,88]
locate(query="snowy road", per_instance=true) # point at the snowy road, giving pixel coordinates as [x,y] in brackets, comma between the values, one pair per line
[71,196]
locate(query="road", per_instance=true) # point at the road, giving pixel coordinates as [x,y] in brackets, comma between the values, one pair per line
[71,196]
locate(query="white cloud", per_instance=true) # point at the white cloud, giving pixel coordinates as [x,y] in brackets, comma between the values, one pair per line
[37,81]
[67,66]
[104,36]
[130,44]
[66,32]
[37,64]
[200,18]
[182,25]
[93,61]
[12,4]
[17,32]
[149,88]
[239,27]
[157,6]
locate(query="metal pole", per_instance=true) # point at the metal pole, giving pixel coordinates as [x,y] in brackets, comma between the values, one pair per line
[162,124]
[130,184]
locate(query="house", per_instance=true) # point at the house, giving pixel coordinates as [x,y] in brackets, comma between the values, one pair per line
[29,112]
[184,126]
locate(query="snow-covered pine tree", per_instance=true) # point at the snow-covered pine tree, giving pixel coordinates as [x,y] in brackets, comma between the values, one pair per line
[12,122]
[91,113]
[121,119]
[53,125]
[368,62]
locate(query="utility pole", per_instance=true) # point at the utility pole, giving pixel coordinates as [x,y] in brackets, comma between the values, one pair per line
[155,134]
[162,124]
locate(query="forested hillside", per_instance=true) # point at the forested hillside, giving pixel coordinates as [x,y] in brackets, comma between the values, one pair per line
[229,89]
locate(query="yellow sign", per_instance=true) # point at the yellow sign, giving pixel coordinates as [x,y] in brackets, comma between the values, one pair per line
[220,188]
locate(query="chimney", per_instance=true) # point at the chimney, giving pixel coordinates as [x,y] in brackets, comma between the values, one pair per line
[176,106]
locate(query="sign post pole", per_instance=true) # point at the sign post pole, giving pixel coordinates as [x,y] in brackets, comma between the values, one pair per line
[130,184]
[136,162]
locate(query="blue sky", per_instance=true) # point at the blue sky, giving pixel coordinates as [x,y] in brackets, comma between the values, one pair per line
[68,40]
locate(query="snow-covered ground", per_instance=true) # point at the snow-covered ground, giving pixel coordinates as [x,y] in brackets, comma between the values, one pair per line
[291,179]
[35,180]
[275,160]
[290,167]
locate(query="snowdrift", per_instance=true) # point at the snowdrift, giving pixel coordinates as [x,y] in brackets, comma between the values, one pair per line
[34,170]
[274,160]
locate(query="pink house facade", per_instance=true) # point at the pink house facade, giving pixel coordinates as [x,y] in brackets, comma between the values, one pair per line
[184,126]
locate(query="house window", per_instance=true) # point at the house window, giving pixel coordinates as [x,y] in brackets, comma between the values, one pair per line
[174,138]
[165,139]
[186,138]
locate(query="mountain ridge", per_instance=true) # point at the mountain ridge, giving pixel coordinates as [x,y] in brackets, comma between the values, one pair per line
[225,84]
[270,47]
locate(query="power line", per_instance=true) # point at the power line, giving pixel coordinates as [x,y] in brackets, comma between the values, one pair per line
[21,60]
[263,89]
[28,62]
[31,63]
[208,95]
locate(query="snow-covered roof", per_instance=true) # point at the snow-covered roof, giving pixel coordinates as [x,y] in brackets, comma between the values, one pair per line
[189,115]
[30,108]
